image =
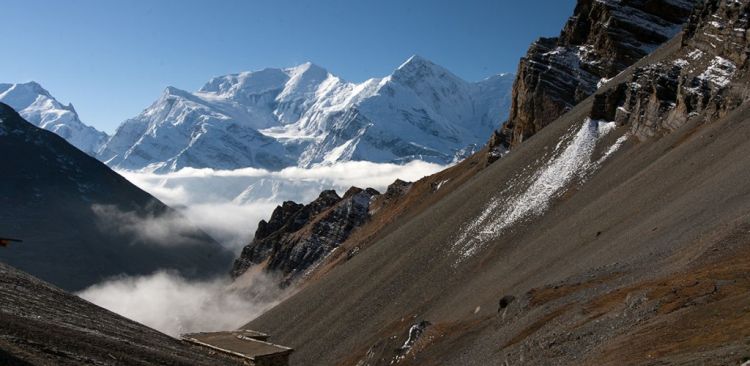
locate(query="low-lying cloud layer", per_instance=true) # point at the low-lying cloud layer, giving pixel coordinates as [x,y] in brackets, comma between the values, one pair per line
[171,304]
[167,229]
[227,205]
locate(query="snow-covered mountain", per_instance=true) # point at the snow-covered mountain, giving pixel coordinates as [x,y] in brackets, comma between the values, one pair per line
[38,106]
[305,115]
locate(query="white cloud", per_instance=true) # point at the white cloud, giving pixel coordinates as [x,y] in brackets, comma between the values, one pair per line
[173,305]
[228,204]
[162,230]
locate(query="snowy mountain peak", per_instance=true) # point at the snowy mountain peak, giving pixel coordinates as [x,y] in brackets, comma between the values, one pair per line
[171,91]
[416,60]
[428,79]
[22,95]
[246,83]
[303,78]
[306,68]
[304,115]
[38,106]
[419,67]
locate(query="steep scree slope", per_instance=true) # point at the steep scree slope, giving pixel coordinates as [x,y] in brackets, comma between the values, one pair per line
[631,255]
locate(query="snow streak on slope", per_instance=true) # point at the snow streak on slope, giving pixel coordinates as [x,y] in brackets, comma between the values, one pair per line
[546,184]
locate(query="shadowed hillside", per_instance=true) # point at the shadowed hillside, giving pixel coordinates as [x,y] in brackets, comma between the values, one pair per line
[81,222]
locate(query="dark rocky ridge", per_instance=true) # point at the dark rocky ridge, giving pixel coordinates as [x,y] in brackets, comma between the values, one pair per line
[297,237]
[49,194]
[600,40]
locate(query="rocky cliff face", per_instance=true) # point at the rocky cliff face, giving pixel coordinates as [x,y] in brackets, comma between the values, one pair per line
[600,40]
[699,82]
[297,237]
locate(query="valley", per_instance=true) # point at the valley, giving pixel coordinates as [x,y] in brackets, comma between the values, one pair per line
[591,209]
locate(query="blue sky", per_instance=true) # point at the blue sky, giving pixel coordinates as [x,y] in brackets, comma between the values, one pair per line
[111,59]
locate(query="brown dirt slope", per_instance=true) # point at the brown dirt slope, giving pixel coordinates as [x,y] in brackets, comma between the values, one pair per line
[638,263]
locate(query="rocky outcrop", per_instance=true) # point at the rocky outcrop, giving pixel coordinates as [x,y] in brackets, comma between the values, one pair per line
[599,41]
[697,82]
[297,236]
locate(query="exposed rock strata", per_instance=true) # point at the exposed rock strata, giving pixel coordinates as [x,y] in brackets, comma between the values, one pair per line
[599,41]
[699,81]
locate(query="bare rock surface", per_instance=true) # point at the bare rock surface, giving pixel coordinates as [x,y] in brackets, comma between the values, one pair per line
[599,41]
[297,237]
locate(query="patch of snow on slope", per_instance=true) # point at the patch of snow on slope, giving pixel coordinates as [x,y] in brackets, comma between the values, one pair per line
[719,72]
[546,185]
[612,149]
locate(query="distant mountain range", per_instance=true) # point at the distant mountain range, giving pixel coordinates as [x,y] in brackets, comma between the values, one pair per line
[299,116]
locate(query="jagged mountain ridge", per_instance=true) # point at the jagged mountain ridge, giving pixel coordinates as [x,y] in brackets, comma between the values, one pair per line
[298,237]
[305,115]
[637,257]
[81,222]
[38,106]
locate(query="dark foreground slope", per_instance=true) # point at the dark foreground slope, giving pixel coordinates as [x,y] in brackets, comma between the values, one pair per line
[638,257]
[81,222]
[43,325]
